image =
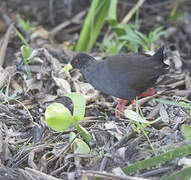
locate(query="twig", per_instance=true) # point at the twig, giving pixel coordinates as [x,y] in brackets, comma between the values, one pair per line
[108,176]
[75,19]
[40,175]
[26,110]
[5,42]
[132,11]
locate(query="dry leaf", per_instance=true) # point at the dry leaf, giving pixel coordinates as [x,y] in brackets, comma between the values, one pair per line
[40,32]
[86,89]
[115,132]
[63,85]
[33,84]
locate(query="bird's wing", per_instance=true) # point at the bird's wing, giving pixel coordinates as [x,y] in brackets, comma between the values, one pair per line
[125,62]
[135,68]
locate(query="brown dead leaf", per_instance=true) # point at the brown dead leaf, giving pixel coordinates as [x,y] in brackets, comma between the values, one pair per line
[4,150]
[33,84]
[55,64]
[75,74]
[5,74]
[165,131]
[163,114]
[85,88]
[115,132]
[64,86]
[46,98]
[16,86]
[3,48]
[154,112]
[40,32]
[31,162]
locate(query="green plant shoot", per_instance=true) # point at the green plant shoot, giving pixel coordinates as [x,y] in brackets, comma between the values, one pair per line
[59,118]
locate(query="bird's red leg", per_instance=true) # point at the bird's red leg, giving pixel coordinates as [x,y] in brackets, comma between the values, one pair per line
[121,104]
[149,92]
[120,107]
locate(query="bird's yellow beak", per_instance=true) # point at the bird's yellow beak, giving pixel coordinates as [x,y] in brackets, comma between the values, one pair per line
[66,68]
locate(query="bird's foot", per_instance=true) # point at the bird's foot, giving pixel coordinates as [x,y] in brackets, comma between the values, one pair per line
[120,107]
[149,92]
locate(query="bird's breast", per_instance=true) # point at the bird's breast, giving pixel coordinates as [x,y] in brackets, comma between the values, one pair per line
[114,84]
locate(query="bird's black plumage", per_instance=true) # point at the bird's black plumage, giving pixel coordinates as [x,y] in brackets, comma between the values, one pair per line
[124,75]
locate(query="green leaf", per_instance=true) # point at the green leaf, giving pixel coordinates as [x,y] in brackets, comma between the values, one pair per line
[119,29]
[58,117]
[134,38]
[186,106]
[131,38]
[21,36]
[82,147]
[94,21]
[107,43]
[143,36]
[26,52]
[6,97]
[162,158]
[183,174]
[23,24]
[136,117]
[186,130]
[155,35]
[72,136]
[79,102]
[83,133]
[112,17]
[178,16]
[86,40]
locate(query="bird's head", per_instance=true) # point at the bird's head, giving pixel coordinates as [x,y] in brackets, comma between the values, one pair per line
[80,61]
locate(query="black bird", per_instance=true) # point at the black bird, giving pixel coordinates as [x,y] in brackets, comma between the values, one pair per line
[124,75]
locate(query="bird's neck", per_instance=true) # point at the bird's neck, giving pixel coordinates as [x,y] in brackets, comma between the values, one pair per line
[89,69]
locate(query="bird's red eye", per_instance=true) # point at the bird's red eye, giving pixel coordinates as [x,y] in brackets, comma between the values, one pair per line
[75,61]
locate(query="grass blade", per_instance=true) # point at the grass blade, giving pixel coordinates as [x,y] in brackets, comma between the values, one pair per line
[162,158]
[97,15]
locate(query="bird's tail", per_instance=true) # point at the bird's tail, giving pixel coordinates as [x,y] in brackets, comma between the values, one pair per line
[160,57]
